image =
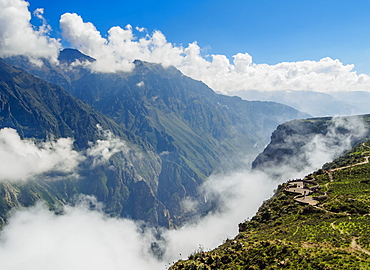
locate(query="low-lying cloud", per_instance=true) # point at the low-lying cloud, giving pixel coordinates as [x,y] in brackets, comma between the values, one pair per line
[102,150]
[306,151]
[341,135]
[116,50]
[23,159]
[36,238]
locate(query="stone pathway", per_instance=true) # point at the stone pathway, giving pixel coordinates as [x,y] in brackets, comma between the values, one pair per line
[298,187]
[306,200]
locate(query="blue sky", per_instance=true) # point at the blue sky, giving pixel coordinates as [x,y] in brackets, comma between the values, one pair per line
[269,30]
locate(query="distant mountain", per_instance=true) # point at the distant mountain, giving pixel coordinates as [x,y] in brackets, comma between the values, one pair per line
[289,233]
[185,130]
[315,103]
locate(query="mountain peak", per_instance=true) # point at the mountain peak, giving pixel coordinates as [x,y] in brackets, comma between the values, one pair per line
[71,55]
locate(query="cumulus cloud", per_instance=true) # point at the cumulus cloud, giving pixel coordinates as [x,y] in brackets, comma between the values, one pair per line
[325,75]
[121,47]
[21,160]
[19,37]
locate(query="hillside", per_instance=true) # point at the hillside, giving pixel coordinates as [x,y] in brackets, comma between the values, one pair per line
[328,228]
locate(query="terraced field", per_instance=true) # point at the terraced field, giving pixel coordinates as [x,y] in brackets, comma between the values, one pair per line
[286,234]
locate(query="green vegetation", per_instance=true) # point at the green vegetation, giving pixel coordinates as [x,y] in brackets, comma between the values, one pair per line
[287,235]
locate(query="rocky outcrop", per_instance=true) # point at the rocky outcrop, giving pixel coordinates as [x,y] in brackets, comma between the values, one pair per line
[292,141]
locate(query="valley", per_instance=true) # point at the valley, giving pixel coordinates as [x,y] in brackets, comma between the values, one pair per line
[184,135]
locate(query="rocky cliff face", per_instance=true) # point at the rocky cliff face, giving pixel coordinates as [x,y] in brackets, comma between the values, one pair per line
[292,142]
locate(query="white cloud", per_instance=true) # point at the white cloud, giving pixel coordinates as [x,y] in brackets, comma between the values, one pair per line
[120,48]
[102,150]
[140,84]
[24,159]
[21,160]
[316,149]
[325,75]
[19,37]
[36,238]
[239,195]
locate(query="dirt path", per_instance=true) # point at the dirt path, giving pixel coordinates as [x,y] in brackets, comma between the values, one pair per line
[330,172]
[297,187]
[350,166]
[354,244]
[306,199]
[336,228]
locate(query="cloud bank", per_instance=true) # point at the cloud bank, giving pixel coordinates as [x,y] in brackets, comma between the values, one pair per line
[36,238]
[324,148]
[116,50]
[80,239]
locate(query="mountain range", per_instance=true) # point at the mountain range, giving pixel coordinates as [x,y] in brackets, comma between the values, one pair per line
[317,104]
[178,132]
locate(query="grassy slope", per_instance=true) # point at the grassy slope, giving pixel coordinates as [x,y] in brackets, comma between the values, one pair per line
[287,235]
